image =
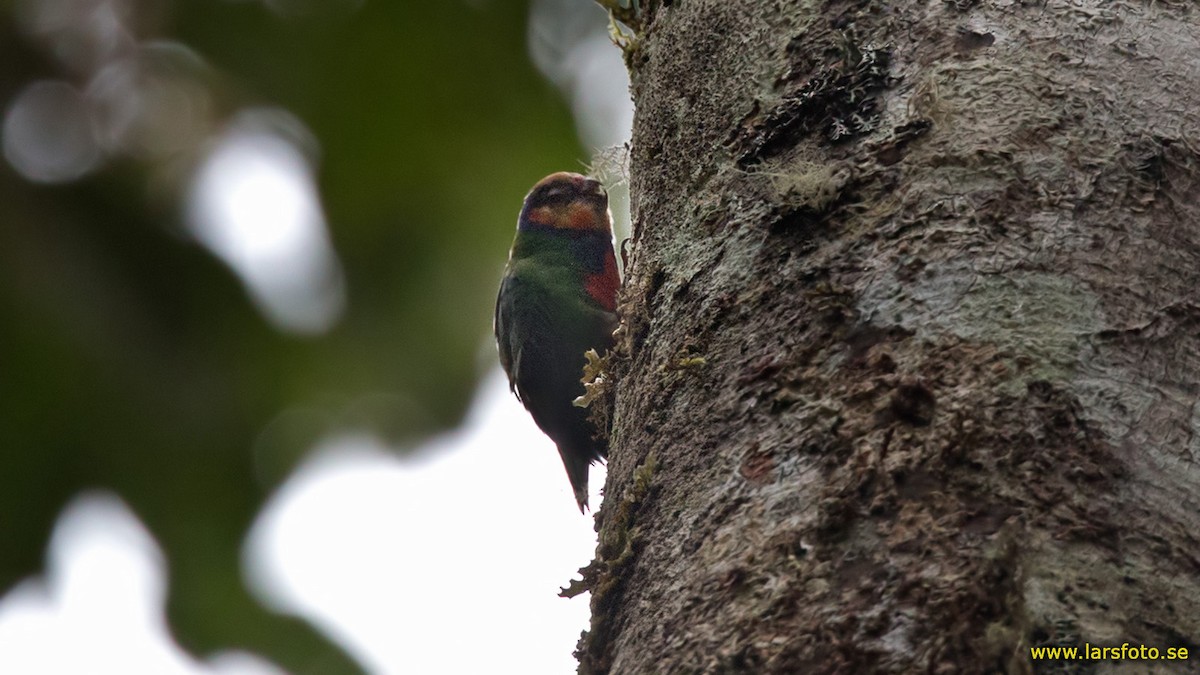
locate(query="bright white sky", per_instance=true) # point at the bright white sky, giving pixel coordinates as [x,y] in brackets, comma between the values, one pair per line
[99,609]
[446,564]
[449,565]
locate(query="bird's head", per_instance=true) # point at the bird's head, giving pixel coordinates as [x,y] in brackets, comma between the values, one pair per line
[567,201]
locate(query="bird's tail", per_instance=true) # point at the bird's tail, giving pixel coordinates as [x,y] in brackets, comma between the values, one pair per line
[577,463]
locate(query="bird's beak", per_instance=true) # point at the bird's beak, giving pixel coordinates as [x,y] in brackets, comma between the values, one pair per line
[591,186]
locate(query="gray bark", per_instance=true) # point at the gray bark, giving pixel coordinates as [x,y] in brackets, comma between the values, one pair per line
[907,379]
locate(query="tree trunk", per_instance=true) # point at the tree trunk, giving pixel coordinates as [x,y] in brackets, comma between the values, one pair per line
[907,374]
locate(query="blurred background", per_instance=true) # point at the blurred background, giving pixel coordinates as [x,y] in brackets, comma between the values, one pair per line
[251,418]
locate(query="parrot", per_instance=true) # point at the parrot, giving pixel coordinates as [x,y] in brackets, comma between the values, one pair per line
[557,301]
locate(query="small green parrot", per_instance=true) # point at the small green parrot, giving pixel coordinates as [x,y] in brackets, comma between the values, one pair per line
[557,300]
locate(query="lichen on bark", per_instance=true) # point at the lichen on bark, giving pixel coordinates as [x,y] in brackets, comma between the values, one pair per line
[909,338]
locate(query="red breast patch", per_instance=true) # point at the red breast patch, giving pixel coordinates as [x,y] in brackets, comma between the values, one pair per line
[602,286]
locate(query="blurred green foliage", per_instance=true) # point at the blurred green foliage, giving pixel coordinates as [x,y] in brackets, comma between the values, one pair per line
[131,359]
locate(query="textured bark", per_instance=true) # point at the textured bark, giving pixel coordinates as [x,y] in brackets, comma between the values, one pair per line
[908,374]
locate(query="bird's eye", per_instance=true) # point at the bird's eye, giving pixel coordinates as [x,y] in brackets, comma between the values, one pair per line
[552,195]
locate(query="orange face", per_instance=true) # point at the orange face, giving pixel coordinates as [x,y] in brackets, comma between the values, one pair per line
[573,216]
